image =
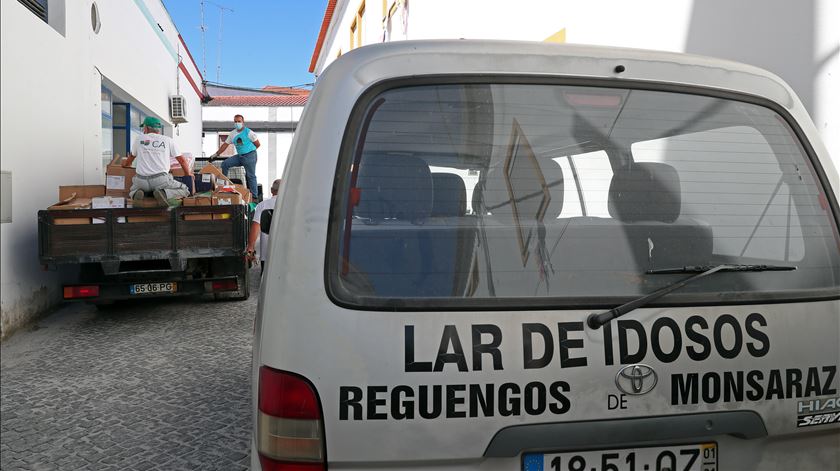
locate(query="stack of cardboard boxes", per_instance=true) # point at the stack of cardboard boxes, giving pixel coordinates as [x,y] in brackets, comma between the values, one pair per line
[210,188]
[224,192]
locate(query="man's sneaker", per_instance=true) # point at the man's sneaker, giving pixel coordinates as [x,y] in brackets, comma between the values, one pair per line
[138,195]
[160,196]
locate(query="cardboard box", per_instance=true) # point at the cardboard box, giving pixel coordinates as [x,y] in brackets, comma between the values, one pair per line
[198,200]
[205,182]
[80,191]
[226,199]
[77,197]
[213,170]
[118,178]
[148,218]
[198,217]
[120,220]
[71,221]
[147,202]
[244,192]
[108,202]
[72,203]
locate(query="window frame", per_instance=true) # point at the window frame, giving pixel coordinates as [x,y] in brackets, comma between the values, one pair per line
[366,106]
[31,5]
[356,27]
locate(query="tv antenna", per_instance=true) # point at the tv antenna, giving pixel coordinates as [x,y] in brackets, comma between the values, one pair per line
[203,28]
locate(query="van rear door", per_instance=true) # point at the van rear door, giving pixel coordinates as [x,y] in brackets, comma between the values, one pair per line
[475,226]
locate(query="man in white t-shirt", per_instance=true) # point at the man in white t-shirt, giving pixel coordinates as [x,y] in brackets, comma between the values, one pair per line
[153,152]
[255,225]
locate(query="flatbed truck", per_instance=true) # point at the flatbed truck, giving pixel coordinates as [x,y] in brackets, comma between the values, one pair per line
[132,253]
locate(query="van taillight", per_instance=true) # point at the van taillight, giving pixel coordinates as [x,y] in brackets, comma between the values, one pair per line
[74,292]
[289,425]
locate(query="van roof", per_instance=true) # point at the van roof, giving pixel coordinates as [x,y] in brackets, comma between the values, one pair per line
[378,62]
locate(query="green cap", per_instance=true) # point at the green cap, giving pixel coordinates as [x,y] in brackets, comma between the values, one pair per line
[151,122]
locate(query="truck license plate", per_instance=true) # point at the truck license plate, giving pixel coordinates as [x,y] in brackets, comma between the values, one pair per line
[151,288]
[699,457]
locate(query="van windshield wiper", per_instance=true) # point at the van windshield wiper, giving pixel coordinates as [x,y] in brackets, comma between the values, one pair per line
[596,320]
[702,268]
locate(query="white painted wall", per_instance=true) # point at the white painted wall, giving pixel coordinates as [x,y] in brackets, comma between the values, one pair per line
[226,113]
[799,41]
[50,82]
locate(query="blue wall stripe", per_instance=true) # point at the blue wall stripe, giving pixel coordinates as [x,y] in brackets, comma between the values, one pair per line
[156,29]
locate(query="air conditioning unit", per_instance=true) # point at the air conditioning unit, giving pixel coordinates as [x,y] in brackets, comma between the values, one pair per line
[178,109]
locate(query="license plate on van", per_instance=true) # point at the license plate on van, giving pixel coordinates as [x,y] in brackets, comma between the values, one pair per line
[700,457]
[152,288]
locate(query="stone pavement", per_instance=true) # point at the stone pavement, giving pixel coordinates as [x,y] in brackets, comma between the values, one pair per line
[147,385]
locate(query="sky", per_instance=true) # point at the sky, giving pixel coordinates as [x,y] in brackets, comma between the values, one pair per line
[264,42]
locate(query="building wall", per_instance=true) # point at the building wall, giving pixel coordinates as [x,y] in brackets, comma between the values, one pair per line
[50,82]
[274,146]
[798,41]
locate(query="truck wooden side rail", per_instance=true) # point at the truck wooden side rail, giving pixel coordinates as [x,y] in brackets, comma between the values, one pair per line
[142,252]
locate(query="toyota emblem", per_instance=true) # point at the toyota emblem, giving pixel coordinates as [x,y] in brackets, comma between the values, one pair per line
[635,379]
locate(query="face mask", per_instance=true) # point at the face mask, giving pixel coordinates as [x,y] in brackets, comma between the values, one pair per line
[238,125]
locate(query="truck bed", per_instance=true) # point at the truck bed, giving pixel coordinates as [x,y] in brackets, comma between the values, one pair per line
[186,250]
[129,234]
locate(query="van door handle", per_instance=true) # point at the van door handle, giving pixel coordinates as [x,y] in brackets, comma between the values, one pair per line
[568,436]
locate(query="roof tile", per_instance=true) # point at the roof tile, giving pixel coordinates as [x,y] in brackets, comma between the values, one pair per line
[271,100]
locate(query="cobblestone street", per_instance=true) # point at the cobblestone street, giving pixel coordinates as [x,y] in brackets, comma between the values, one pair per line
[146,385]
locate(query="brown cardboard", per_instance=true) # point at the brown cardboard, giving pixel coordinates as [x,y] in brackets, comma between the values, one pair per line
[227,187]
[199,200]
[146,202]
[72,203]
[71,221]
[210,168]
[198,217]
[244,192]
[223,198]
[148,219]
[108,202]
[118,179]
[80,191]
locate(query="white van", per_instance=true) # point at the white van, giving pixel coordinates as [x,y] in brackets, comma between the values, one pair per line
[524,256]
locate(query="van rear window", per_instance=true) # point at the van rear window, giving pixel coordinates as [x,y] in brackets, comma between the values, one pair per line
[486,195]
